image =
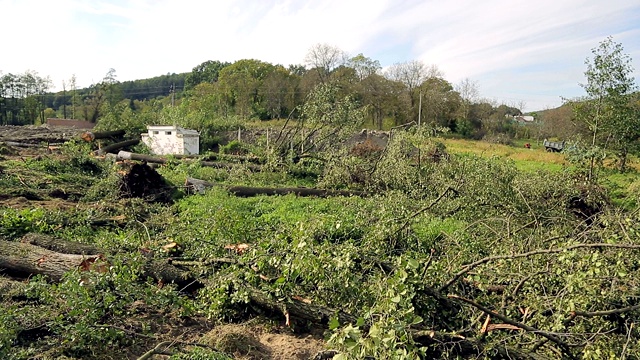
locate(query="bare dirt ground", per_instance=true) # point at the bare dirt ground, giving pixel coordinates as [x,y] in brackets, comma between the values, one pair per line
[255,342]
[33,134]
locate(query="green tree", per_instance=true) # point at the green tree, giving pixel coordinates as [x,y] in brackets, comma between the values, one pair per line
[241,84]
[439,103]
[279,91]
[21,98]
[382,98]
[208,71]
[606,109]
[412,74]
[364,66]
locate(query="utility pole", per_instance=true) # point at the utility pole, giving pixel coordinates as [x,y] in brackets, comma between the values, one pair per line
[173,91]
[419,132]
[419,109]
[64,100]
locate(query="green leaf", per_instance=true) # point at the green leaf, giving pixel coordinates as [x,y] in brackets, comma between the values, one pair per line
[334,323]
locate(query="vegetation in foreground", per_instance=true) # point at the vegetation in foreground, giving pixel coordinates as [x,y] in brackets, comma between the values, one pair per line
[457,257]
[437,253]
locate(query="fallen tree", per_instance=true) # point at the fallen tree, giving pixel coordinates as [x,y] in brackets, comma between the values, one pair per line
[90,136]
[117,146]
[23,259]
[200,186]
[126,155]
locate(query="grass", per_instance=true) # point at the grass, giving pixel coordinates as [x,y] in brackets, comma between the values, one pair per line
[623,188]
[533,159]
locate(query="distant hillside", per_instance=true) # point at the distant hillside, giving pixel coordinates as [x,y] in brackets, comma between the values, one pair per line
[142,89]
[150,88]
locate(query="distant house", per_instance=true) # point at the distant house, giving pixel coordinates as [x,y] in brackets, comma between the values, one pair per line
[71,123]
[171,140]
[524,118]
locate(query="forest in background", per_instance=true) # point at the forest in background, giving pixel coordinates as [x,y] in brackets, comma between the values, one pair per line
[252,89]
[218,96]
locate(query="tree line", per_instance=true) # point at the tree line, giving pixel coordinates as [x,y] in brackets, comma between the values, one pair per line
[250,90]
[254,89]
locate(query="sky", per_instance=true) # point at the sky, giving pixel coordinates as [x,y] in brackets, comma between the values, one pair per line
[518,52]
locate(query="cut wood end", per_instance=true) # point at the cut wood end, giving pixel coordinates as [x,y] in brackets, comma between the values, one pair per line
[485,325]
[301,299]
[493,327]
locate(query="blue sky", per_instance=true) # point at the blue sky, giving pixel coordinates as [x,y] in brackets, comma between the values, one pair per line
[518,52]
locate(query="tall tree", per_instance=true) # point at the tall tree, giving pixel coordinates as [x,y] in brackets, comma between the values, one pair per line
[241,82]
[412,74]
[73,86]
[606,109]
[22,98]
[208,71]
[439,102]
[324,58]
[468,90]
[382,98]
[364,66]
[279,91]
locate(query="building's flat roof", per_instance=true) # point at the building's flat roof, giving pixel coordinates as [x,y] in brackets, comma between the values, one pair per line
[178,129]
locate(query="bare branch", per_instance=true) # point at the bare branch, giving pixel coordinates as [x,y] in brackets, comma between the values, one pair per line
[564,346]
[605,312]
[487,259]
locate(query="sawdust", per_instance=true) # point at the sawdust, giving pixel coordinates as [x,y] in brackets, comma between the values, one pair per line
[246,342]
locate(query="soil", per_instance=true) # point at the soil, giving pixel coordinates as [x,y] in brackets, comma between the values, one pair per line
[32,134]
[255,342]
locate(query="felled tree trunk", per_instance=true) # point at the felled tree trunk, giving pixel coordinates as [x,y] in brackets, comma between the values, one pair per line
[246,191]
[313,313]
[89,136]
[66,247]
[117,146]
[227,165]
[126,155]
[25,259]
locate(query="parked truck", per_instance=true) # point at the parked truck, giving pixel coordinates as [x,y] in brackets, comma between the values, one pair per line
[555,146]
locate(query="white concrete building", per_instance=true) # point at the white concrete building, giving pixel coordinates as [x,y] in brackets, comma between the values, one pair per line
[171,140]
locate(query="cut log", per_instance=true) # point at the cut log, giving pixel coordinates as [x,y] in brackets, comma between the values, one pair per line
[10,288]
[13,143]
[90,136]
[199,186]
[316,314]
[24,259]
[117,146]
[126,155]
[61,246]
[226,165]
